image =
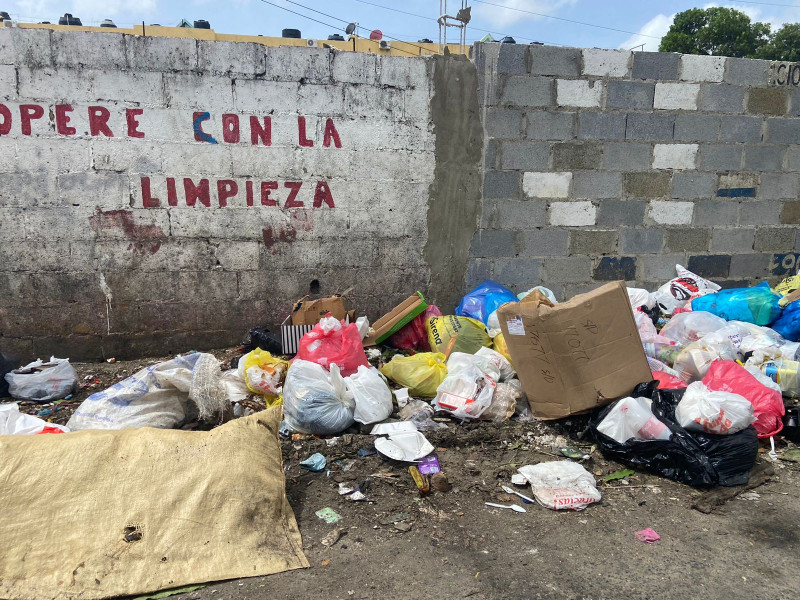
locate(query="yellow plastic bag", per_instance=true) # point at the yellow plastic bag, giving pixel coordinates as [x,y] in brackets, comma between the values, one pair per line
[264,374]
[499,344]
[788,285]
[471,334]
[421,373]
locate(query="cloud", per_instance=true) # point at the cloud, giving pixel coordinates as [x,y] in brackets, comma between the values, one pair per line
[657,26]
[502,17]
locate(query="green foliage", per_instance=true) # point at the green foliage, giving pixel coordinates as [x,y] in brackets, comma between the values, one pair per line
[718,31]
[784,45]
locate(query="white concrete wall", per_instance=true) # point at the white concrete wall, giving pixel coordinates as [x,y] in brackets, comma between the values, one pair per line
[108,269]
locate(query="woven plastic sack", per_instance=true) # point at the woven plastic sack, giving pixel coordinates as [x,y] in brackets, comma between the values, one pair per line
[333,342]
[561,485]
[758,304]
[471,334]
[481,302]
[421,373]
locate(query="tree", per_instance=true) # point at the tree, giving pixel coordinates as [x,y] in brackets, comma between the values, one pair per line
[784,45]
[718,31]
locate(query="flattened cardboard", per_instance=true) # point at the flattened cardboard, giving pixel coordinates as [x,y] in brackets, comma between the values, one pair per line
[396,319]
[309,312]
[575,356]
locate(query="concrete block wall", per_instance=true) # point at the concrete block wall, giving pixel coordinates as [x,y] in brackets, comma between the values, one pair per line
[607,164]
[143,213]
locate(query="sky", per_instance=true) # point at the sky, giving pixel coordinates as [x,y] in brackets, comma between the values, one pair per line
[583,23]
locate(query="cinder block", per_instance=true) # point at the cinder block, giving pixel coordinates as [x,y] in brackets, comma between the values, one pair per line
[144,88]
[790,213]
[579,92]
[696,67]
[197,91]
[767,101]
[545,242]
[656,65]
[486,56]
[728,181]
[252,95]
[490,154]
[526,156]
[106,190]
[511,59]
[750,265]
[719,158]
[572,214]
[641,241]
[621,213]
[596,184]
[546,185]
[732,240]
[630,95]
[554,60]
[478,270]
[777,186]
[792,162]
[501,184]
[646,185]
[764,158]
[570,156]
[666,212]
[722,98]
[354,67]
[775,239]
[53,85]
[716,213]
[551,125]
[606,63]
[696,128]
[395,71]
[740,129]
[649,126]
[693,185]
[593,242]
[747,72]
[8,82]
[503,123]
[7,55]
[574,269]
[528,91]
[783,131]
[160,53]
[30,47]
[78,49]
[761,212]
[687,239]
[710,265]
[676,96]
[520,214]
[490,244]
[231,58]
[675,156]
[627,156]
[601,126]
[517,273]
[611,268]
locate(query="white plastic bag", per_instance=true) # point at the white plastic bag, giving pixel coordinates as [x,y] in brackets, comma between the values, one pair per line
[561,485]
[43,381]
[316,401]
[686,328]
[372,397]
[640,297]
[676,292]
[469,386]
[497,360]
[504,403]
[156,396]
[13,422]
[633,418]
[700,409]
[693,362]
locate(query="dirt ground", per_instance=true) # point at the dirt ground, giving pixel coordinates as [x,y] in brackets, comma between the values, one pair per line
[449,544]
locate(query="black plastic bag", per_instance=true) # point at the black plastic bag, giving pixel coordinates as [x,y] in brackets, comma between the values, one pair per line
[696,459]
[261,337]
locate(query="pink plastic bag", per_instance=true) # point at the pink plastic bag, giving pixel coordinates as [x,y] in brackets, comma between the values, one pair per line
[729,376]
[331,341]
[414,336]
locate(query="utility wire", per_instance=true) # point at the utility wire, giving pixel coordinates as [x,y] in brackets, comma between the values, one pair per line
[530,12]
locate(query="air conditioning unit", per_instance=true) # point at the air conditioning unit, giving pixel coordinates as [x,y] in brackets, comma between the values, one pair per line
[312,43]
[385,45]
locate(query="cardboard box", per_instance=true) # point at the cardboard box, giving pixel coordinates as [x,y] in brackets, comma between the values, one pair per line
[396,319]
[575,356]
[291,334]
[309,312]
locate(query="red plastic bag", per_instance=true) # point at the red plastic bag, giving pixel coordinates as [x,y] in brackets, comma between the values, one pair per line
[414,336]
[729,376]
[668,382]
[331,341]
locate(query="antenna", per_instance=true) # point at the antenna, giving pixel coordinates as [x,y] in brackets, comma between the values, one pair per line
[351,28]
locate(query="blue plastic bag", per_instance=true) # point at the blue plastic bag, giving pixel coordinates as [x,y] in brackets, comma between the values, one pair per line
[484,300]
[788,324]
[757,304]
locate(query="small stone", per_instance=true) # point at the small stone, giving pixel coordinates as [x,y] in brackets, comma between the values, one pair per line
[403,526]
[439,483]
